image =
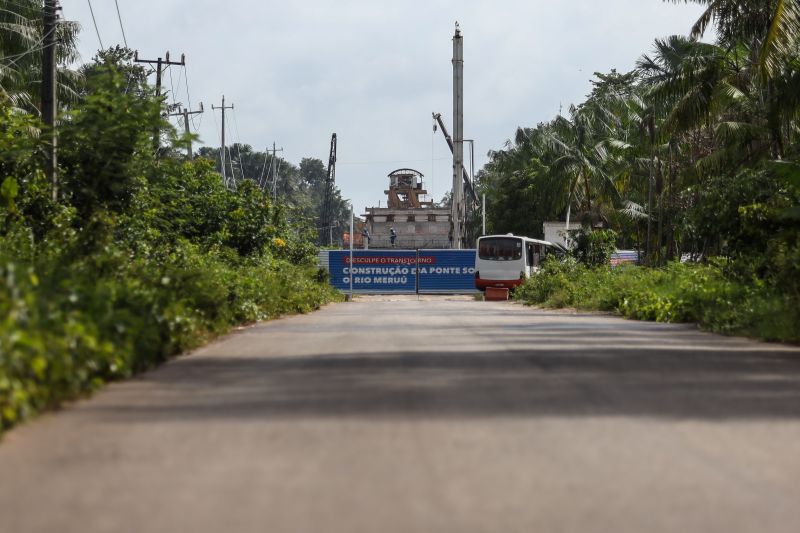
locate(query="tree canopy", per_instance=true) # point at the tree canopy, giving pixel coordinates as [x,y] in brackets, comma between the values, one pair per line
[694,152]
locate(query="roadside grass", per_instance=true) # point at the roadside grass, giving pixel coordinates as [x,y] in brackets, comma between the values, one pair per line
[708,295]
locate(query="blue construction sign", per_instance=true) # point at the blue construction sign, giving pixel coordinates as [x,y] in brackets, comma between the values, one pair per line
[402,271]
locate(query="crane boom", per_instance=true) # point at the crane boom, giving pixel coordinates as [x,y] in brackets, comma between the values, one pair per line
[438,118]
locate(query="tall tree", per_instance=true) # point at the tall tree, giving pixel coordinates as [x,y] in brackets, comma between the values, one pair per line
[771,27]
[21,42]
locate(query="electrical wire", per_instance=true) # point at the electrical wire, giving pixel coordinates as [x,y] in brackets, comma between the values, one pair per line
[275,178]
[230,161]
[263,169]
[171,84]
[219,137]
[37,47]
[181,77]
[236,124]
[175,104]
[96,30]
[270,172]
[238,138]
[189,99]
[197,129]
[121,27]
[239,151]
[13,59]
[229,153]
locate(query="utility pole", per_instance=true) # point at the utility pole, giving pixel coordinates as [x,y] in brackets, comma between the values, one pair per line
[49,91]
[458,138]
[223,107]
[327,207]
[159,67]
[274,170]
[185,114]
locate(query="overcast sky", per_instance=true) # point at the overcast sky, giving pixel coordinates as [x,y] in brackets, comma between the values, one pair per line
[373,71]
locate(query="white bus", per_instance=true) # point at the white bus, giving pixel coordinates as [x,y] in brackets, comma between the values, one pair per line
[507,260]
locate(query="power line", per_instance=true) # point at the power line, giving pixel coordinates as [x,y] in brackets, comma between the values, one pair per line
[263,168]
[178,85]
[12,60]
[216,129]
[275,177]
[119,16]
[236,125]
[233,171]
[96,30]
[175,104]
[189,98]
[186,113]
[222,108]
[37,47]
[180,78]
[274,166]
[197,127]
[238,144]
[159,64]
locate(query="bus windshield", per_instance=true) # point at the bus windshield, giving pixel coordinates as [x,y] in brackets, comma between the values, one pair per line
[500,249]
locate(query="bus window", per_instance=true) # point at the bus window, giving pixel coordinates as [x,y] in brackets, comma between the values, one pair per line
[531,255]
[500,249]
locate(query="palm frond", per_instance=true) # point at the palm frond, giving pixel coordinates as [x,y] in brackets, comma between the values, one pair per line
[633,211]
[738,133]
[781,37]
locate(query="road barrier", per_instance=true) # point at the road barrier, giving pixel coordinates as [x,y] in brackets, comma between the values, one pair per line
[401,271]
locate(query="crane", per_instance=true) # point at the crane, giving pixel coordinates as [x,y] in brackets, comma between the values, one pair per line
[467,182]
[327,210]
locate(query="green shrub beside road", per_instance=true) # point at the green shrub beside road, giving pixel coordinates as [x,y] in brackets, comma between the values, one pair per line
[719,297]
[140,256]
[66,329]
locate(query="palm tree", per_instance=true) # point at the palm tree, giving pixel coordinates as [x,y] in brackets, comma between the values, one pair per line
[582,145]
[522,190]
[770,27]
[20,55]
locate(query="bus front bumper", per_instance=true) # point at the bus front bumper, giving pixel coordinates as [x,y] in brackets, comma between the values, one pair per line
[501,283]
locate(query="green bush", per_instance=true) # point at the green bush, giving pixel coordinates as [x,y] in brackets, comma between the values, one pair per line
[138,259]
[67,328]
[718,296]
[593,246]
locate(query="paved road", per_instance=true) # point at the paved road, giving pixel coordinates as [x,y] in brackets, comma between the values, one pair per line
[444,415]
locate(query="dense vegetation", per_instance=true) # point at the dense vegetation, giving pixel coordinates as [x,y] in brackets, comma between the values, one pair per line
[716,295]
[694,154]
[300,189]
[141,253]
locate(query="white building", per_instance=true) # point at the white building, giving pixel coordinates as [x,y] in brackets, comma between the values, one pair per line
[556,232]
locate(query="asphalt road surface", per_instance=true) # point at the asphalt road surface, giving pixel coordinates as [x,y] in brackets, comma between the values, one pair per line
[442,415]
